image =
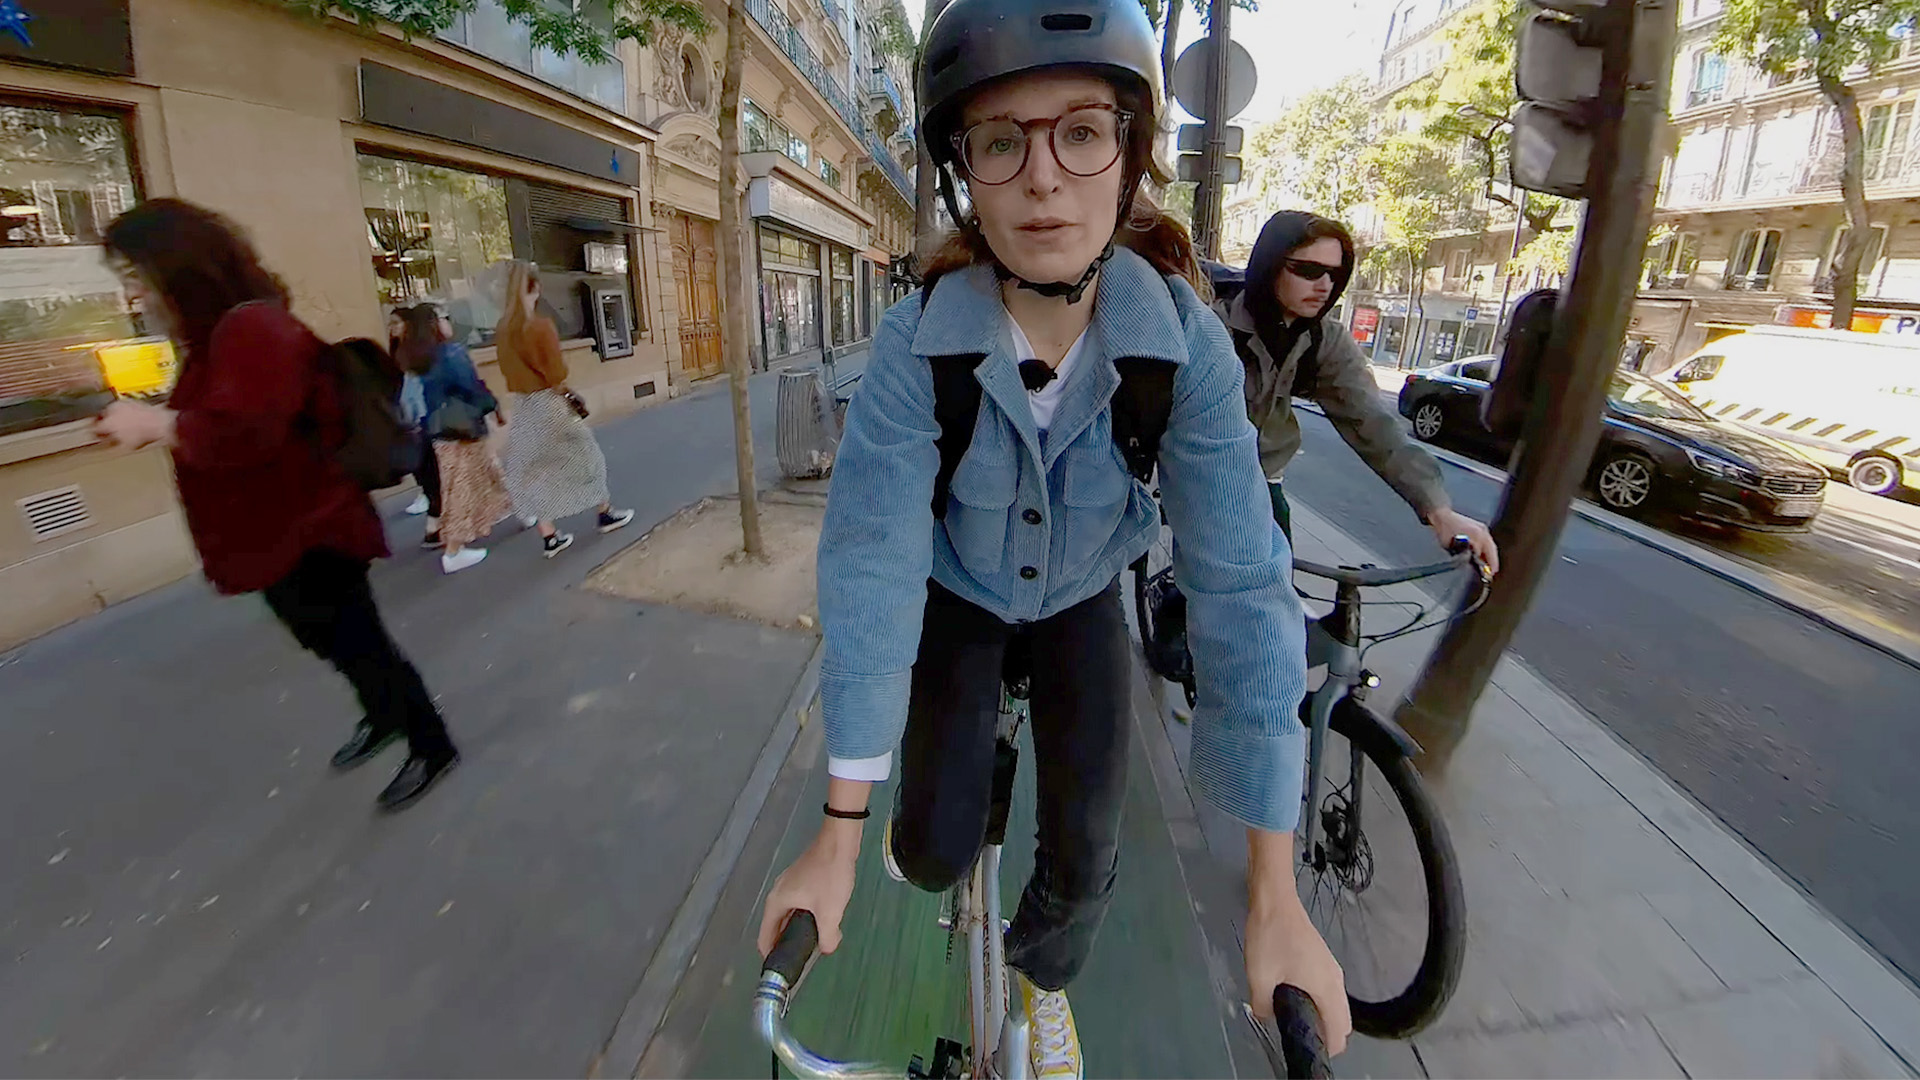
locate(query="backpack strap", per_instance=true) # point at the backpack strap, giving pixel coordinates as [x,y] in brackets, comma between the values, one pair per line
[956,408]
[1141,407]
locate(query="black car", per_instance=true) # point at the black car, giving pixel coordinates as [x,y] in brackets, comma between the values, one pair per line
[1657,452]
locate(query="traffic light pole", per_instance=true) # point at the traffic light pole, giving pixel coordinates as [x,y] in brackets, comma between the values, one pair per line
[1206,199]
[1563,426]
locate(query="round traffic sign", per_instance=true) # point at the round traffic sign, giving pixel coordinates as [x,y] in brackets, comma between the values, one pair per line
[1190,78]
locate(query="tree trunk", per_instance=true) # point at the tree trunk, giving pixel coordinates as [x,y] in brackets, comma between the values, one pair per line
[1170,44]
[1406,324]
[1853,192]
[734,300]
[924,195]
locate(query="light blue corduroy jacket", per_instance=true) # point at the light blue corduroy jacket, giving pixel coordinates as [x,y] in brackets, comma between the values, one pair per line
[880,542]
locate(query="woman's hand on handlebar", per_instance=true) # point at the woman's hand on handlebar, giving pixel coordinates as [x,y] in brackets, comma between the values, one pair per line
[1448,523]
[820,881]
[1282,944]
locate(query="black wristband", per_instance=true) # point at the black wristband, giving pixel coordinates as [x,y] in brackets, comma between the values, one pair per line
[845,815]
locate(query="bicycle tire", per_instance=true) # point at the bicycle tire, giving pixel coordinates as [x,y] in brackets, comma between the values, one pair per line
[1432,985]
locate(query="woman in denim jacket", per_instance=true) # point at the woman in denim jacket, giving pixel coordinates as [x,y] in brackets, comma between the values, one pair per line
[1050,117]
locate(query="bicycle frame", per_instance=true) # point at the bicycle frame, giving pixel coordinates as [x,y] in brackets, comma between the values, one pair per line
[1333,641]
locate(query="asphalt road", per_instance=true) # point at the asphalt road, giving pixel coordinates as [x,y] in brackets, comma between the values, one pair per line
[1798,738]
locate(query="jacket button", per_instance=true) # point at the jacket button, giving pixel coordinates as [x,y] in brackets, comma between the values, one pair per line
[1029,573]
[1030,516]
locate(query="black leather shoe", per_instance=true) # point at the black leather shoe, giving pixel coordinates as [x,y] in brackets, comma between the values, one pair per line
[415,777]
[364,743]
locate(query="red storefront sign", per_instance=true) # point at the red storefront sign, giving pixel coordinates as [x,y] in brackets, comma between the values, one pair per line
[1366,322]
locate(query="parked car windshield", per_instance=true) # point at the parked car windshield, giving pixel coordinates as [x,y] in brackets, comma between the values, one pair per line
[1646,398]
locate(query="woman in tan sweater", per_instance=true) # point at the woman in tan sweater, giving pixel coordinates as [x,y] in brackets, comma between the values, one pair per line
[554,467]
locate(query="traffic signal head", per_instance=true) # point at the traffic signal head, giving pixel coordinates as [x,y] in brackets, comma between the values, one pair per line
[1558,64]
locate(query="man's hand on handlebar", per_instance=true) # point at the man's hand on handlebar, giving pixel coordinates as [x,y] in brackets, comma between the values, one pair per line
[1448,523]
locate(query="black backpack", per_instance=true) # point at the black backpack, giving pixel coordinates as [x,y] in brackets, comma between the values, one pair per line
[1140,409]
[380,448]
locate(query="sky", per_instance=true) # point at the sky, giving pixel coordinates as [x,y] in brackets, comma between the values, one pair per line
[1297,45]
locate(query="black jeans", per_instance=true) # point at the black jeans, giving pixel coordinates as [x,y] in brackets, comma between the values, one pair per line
[1081,718]
[427,475]
[328,605]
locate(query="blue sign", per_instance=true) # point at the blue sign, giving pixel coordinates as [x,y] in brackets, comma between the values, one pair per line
[14,21]
[1473,314]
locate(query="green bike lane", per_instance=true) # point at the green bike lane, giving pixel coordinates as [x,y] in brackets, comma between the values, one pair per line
[1151,1001]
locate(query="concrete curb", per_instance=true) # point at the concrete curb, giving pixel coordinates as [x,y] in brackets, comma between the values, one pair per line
[1720,566]
[1868,986]
[647,1007]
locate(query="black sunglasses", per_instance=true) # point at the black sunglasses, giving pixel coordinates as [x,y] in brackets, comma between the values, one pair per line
[1310,271]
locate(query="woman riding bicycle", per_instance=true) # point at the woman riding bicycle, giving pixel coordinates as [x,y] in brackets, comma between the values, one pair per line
[1062,268]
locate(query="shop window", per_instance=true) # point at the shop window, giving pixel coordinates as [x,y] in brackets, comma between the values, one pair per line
[841,296]
[68,337]
[789,298]
[438,235]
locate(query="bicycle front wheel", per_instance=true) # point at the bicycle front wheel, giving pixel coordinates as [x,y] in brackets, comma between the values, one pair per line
[1382,884]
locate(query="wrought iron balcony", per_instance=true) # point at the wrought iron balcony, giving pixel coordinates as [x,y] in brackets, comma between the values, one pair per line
[878,150]
[881,84]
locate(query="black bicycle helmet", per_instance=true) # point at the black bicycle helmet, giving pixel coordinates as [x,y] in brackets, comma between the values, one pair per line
[974,42]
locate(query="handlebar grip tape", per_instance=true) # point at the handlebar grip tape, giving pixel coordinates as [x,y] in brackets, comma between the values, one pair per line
[794,948]
[1300,1042]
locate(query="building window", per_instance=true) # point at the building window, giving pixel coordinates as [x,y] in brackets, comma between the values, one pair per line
[1869,259]
[489,32]
[1673,262]
[830,174]
[68,337]
[694,81]
[1457,265]
[1754,255]
[789,293]
[438,235]
[841,296]
[1888,128]
[1709,82]
[1700,9]
[763,132]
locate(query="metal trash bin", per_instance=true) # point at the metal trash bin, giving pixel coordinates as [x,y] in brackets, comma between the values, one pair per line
[807,434]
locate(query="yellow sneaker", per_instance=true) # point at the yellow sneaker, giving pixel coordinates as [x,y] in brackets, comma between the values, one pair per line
[1053,1046]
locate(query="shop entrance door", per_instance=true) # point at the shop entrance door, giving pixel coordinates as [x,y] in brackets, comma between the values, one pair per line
[695,277]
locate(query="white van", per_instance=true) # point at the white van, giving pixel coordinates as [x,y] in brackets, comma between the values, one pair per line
[1848,400]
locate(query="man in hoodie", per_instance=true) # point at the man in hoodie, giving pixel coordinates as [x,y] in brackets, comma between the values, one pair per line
[1299,267]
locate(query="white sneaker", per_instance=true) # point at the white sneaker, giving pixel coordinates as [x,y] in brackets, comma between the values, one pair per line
[1053,1046]
[419,505]
[886,852]
[453,564]
[529,522]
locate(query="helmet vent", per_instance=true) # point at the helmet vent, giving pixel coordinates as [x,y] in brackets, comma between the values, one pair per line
[1073,21]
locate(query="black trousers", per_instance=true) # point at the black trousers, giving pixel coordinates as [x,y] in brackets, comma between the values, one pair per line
[1081,661]
[427,475]
[327,603]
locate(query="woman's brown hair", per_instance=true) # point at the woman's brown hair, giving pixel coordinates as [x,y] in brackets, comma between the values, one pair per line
[421,338]
[200,262]
[1148,230]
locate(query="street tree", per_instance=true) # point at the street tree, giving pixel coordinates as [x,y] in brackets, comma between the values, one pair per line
[563,29]
[1831,41]
[1313,152]
[1414,189]
[733,303]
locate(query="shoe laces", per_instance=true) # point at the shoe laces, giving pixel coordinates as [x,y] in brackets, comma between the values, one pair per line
[1055,1042]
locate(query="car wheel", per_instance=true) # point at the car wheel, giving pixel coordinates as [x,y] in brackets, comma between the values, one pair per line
[1625,483]
[1429,419]
[1874,474]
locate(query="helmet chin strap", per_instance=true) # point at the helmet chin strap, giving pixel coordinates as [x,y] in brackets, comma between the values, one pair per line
[1072,291]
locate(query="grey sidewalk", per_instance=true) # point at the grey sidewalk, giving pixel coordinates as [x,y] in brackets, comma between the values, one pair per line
[1615,929]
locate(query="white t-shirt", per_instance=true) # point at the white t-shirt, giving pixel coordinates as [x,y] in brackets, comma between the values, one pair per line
[1043,401]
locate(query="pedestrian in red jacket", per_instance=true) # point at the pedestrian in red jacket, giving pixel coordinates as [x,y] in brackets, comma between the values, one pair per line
[250,425]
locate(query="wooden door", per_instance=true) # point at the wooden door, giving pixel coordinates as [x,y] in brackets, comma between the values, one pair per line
[695,276]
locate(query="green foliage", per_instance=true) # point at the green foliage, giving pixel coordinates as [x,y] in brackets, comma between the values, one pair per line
[1827,37]
[1416,193]
[1178,201]
[564,31]
[1549,251]
[1314,149]
[896,37]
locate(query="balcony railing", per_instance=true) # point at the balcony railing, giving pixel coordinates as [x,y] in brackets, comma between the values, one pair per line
[1818,174]
[881,84]
[834,15]
[791,42]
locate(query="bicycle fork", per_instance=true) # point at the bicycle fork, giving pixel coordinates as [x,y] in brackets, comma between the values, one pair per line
[1333,642]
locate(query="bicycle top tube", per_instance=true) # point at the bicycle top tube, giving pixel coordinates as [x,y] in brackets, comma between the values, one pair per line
[1369,576]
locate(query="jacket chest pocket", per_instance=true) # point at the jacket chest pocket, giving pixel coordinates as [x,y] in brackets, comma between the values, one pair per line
[1094,491]
[980,504]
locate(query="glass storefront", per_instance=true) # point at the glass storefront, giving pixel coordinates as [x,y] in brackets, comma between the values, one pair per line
[65,173]
[789,292]
[841,294]
[438,235]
